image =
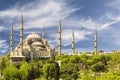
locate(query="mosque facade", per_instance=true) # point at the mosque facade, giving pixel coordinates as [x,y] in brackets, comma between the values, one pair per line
[33,46]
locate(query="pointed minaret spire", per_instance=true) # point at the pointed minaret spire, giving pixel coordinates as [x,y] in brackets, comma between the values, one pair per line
[95,41]
[11,39]
[21,35]
[73,43]
[43,33]
[59,38]
[11,44]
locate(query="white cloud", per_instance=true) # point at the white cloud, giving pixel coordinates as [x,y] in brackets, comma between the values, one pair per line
[69,51]
[39,14]
[115,36]
[79,36]
[2,28]
[114,4]
[67,37]
[93,24]
[3,51]
[90,23]
[113,17]
[2,41]
[3,46]
[47,13]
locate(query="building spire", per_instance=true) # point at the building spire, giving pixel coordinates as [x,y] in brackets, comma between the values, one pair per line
[21,35]
[95,41]
[11,44]
[73,43]
[43,33]
[59,38]
[11,39]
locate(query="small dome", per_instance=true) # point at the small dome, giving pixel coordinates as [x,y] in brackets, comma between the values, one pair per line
[37,44]
[39,48]
[33,36]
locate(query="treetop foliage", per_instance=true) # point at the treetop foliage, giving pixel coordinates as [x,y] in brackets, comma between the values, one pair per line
[66,67]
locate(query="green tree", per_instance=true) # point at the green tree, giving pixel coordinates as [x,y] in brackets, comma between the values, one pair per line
[105,58]
[2,64]
[46,71]
[25,70]
[84,60]
[75,59]
[34,72]
[88,77]
[51,70]
[96,58]
[11,73]
[99,67]
[7,59]
[61,57]
[69,71]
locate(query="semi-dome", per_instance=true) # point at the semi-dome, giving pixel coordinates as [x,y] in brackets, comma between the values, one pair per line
[33,35]
[37,44]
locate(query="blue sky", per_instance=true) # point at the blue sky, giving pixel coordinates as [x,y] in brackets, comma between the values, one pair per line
[81,15]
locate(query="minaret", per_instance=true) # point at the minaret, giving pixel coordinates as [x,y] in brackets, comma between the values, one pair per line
[95,41]
[11,39]
[59,38]
[21,35]
[11,44]
[73,43]
[43,33]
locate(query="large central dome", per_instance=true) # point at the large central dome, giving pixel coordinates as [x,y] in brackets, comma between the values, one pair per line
[33,35]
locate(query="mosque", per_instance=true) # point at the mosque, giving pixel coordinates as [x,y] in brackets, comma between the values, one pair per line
[36,47]
[32,47]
